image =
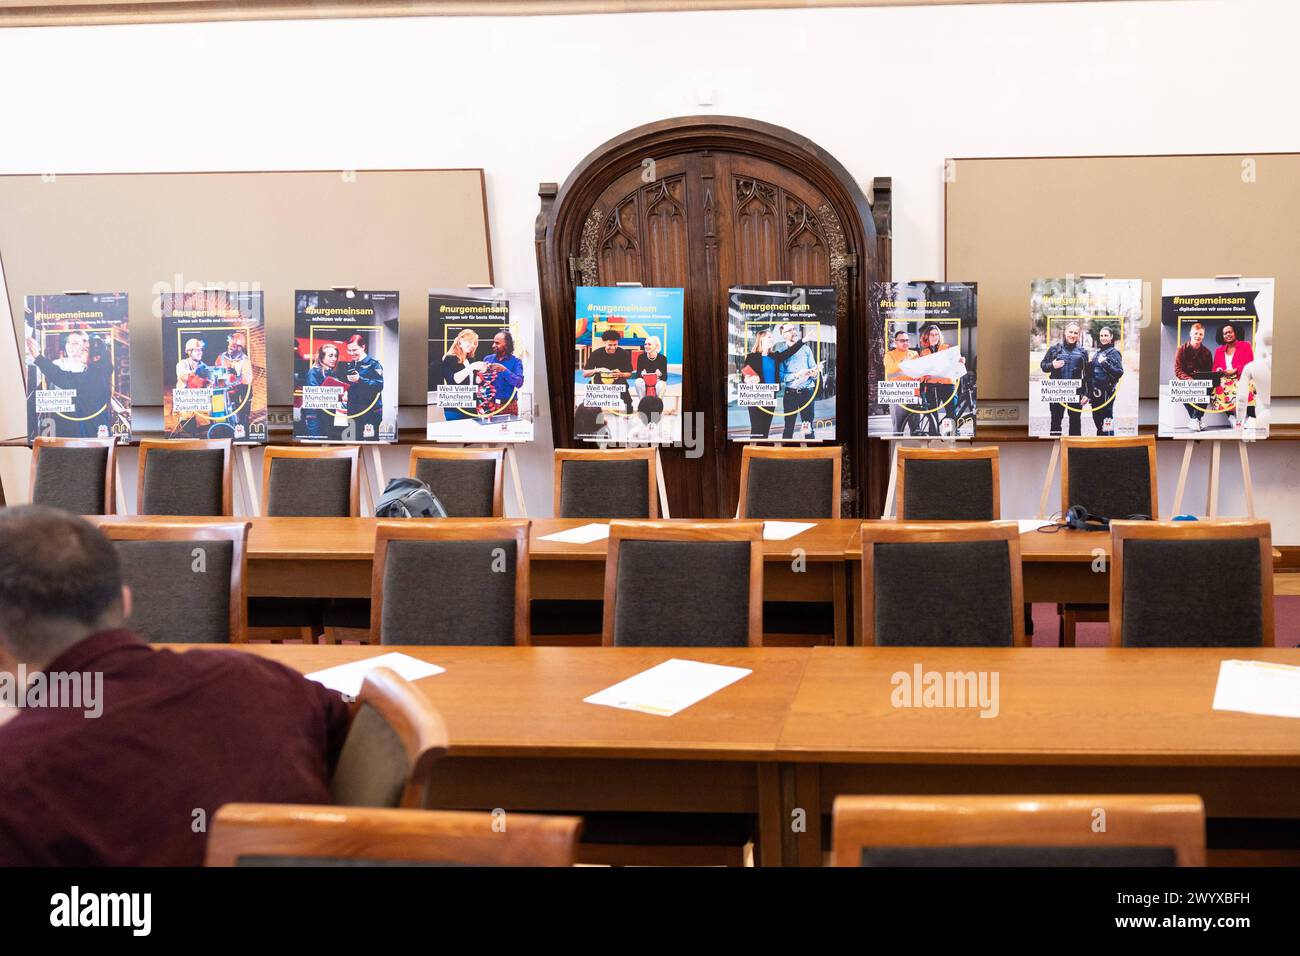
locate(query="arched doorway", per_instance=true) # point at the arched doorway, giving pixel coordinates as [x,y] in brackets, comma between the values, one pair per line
[704,203]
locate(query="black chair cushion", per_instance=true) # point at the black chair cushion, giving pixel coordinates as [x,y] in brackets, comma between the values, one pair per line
[421,605]
[310,488]
[682,594]
[71,479]
[1019,856]
[1111,482]
[943,594]
[792,488]
[1222,606]
[957,490]
[178,482]
[177,595]
[604,489]
[465,488]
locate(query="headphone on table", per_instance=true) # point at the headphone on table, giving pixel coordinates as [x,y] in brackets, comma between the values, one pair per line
[1080,518]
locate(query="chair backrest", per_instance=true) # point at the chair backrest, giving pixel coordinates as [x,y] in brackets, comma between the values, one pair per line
[684,584]
[935,584]
[1162,596]
[468,481]
[395,739]
[606,483]
[316,481]
[75,474]
[1111,477]
[454,581]
[959,484]
[277,834]
[186,477]
[780,483]
[1049,830]
[188,580]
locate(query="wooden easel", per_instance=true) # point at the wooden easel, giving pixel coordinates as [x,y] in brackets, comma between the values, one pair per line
[372,477]
[1047,482]
[1212,498]
[245,485]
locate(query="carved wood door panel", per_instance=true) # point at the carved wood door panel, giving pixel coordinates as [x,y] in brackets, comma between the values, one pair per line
[704,203]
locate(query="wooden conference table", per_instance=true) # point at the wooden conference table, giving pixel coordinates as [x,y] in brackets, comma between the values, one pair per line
[331,557]
[812,723]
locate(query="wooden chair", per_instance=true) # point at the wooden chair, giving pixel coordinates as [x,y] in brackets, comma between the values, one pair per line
[255,834]
[971,616]
[1219,573]
[959,484]
[396,737]
[470,482]
[76,474]
[710,603]
[178,590]
[186,477]
[1111,477]
[790,483]
[1052,830]
[606,483]
[316,481]
[415,562]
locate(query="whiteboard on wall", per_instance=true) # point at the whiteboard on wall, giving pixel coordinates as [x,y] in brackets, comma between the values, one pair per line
[1008,221]
[147,233]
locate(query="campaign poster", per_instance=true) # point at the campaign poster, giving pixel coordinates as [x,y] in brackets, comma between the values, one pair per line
[214,365]
[1084,356]
[480,366]
[345,366]
[627,384]
[923,359]
[1216,357]
[781,363]
[78,368]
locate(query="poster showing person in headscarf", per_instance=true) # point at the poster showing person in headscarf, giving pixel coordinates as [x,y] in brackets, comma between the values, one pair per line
[78,367]
[480,366]
[345,366]
[1084,357]
[1216,357]
[214,365]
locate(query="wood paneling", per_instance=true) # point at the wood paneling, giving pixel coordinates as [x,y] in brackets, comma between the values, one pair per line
[704,203]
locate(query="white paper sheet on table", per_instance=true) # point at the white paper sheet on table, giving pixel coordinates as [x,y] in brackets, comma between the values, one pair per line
[785,530]
[944,364]
[347,678]
[1258,687]
[583,534]
[1033,524]
[668,688]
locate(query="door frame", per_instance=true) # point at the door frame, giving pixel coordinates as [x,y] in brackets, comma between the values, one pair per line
[564,211]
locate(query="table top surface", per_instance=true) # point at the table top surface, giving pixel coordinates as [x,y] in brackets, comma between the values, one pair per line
[351,539]
[836,704]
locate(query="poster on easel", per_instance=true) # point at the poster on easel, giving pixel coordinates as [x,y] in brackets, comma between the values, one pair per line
[214,365]
[923,360]
[480,366]
[1216,357]
[627,384]
[781,363]
[345,366]
[1084,356]
[78,366]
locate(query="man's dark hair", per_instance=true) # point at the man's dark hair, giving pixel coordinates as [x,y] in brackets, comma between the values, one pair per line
[900,332]
[510,341]
[610,335]
[57,571]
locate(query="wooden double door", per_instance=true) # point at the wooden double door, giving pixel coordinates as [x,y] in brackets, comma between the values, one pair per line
[680,204]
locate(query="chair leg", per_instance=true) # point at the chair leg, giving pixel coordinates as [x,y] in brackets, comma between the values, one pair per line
[1069,621]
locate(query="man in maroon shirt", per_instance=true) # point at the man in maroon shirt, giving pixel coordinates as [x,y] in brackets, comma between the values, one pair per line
[131,773]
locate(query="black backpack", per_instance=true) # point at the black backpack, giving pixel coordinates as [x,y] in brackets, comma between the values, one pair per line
[409,498]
